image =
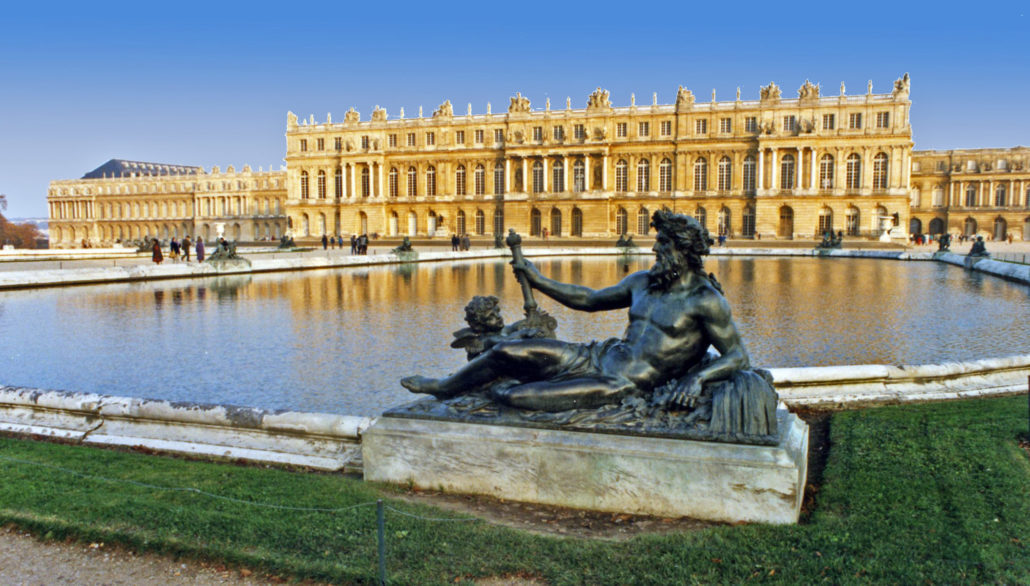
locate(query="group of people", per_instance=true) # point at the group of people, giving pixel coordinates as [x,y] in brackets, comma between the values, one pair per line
[462,242]
[919,239]
[177,249]
[358,244]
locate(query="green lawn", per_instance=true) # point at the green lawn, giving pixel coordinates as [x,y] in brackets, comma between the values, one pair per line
[935,493]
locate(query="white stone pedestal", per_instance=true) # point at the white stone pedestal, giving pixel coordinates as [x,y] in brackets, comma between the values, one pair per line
[596,471]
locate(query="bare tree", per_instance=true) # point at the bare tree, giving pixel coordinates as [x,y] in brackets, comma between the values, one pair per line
[3,201]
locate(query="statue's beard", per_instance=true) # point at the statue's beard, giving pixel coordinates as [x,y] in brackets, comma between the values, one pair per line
[667,270]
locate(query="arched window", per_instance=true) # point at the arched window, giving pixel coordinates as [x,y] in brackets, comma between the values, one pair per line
[749,173]
[321,184]
[412,182]
[826,172]
[412,223]
[725,174]
[701,215]
[555,222]
[366,182]
[725,226]
[665,175]
[825,221]
[558,177]
[701,174]
[787,172]
[303,185]
[499,220]
[854,164]
[393,181]
[538,177]
[535,227]
[971,196]
[969,227]
[577,222]
[917,200]
[579,176]
[460,222]
[305,224]
[479,178]
[621,181]
[643,175]
[499,179]
[339,182]
[880,176]
[936,226]
[431,181]
[643,221]
[480,222]
[747,222]
[1001,229]
[459,180]
[621,221]
[999,196]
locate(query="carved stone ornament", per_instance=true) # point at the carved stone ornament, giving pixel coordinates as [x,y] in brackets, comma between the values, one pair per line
[684,98]
[291,120]
[771,92]
[901,87]
[351,116]
[519,104]
[379,114]
[808,91]
[599,100]
[445,110]
[600,133]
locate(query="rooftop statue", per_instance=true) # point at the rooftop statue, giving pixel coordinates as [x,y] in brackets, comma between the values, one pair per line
[519,104]
[445,110]
[684,98]
[659,378]
[599,100]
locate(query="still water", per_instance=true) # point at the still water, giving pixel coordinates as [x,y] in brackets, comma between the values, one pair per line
[338,340]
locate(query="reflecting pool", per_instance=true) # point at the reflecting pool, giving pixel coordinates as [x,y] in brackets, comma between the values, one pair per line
[338,340]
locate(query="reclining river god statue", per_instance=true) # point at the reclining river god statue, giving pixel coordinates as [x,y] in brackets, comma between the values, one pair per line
[659,378]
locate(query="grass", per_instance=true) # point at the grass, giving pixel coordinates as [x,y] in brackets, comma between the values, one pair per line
[936,493]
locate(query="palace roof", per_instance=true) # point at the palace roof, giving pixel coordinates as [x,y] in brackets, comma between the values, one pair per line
[123,168]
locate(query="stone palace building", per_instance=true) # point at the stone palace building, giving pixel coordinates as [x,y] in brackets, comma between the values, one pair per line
[774,168]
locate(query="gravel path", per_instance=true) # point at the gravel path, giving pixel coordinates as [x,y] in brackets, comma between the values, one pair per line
[24,560]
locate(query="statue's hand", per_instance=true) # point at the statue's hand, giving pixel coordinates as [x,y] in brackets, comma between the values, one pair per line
[687,394]
[524,267]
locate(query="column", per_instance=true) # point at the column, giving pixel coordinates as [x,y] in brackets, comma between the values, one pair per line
[772,172]
[951,193]
[813,178]
[760,185]
[353,172]
[507,176]
[547,181]
[381,191]
[586,173]
[987,200]
[565,172]
[604,173]
[525,176]
[797,172]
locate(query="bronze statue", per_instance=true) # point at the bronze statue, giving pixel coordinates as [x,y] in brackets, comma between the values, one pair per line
[405,246]
[978,248]
[944,243]
[659,371]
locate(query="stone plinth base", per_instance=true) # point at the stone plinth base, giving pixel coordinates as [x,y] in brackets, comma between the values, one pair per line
[596,471]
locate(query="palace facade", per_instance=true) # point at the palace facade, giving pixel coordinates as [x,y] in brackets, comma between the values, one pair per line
[773,168]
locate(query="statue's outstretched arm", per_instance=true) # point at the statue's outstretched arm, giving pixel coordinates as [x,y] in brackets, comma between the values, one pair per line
[580,297]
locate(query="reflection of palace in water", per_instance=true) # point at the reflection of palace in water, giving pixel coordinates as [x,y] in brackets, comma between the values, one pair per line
[770,168]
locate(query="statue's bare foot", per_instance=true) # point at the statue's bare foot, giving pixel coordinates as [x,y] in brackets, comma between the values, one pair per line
[422,384]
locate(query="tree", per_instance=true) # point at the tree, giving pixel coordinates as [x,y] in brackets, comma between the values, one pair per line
[20,235]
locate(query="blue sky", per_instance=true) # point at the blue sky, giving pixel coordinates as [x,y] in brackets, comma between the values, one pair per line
[210,83]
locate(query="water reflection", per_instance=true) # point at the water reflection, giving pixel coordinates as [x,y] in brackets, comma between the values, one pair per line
[338,340]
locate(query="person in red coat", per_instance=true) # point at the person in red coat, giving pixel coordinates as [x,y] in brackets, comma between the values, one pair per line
[157,257]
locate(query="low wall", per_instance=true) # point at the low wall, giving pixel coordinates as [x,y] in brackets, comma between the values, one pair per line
[1011,271]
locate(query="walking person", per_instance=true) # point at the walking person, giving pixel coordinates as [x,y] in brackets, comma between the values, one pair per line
[157,257]
[200,249]
[186,248]
[325,242]
[353,244]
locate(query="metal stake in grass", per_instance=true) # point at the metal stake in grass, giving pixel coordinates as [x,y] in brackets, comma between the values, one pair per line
[381,530]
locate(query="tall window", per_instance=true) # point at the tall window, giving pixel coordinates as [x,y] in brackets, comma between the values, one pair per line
[459,180]
[498,221]
[499,179]
[621,181]
[321,144]
[880,171]
[338,183]
[825,221]
[535,222]
[303,144]
[577,222]
[851,221]
[787,172]
[643,175]
[644,129]
[882,119]
[701,215]
[538,133]
[724,221]
[430,138]
[701,174]
[751,124]
[790,123]
[412,182]
[538,177]
[747,222]
[478,136]
[498,135]
[558,177]
[338,143]
[665,176]
[749,173]
[725,125]
[390,140]
[366,182]
[666,128]
[303,184]
[321,184]
[579,131]
[431,181]
[971,196]
[826,172]
[829,121]
[855,120]
[621,221]
[459,222]
[555,222]
[620,130]
[578,176]
[701,126]
[479,178]
[559,133]
[393,181]
[480,222]
[459,137]
[725,173]
[643,221]
[854,171]
[411,139]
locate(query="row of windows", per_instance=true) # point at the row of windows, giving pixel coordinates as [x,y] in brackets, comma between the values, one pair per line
[223,206]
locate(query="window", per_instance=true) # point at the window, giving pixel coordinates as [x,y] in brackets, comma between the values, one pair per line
[725,125]
[303,185]
[459,137]
[643,129]
[321,144]
[621,181]
[579,176]
[499,179]
[701,215]
[338,143]
[941,165]
[938,197]
[666,128]
[579,132]
[747,222]
[412,182]
[701,174]
[643,175]
[364,141]
[883,119]
[851,221]
[460,222]
[321,185]
[971,196]
[338,183]
[479,179]
[621,221]
[498,135]
[790,123]
[558,178]
[829,121]
[665,176]
[499,220]
[538,177]
[787,172]
[411,139]
[303,144]
[430,138]
[701,127]
[749,173]
[392,140]
[459,180]
[480,222]
[555,222]
[725,174]
[880,176]
[855,120]
[538,133]
[643,221]
[366,182]
[724,220]
[826,172]
[854,179]
[825,221]
[620,130]
[393,181]
[999,196]
[558,132]
[478,136]
[431,181]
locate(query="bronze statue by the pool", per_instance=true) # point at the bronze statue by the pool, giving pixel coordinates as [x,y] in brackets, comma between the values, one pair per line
[659,378]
